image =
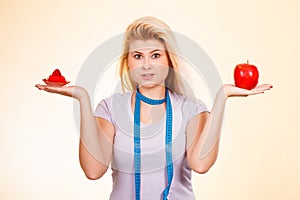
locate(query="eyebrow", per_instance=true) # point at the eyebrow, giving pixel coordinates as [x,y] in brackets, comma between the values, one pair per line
[135,51]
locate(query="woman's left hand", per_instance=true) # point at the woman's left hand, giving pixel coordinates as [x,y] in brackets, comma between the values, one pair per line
[233,91]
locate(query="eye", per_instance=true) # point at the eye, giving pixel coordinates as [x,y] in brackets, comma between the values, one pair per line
[156,55]
[137,56]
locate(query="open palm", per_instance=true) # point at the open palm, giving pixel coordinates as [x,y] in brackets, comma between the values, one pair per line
[232,90]
[71,91]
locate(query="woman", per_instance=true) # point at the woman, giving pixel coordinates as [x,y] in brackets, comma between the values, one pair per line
[166,134]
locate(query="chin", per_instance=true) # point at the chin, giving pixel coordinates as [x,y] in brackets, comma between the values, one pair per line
[151,85]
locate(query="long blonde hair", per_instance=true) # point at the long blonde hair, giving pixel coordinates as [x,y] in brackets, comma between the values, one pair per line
[147,28]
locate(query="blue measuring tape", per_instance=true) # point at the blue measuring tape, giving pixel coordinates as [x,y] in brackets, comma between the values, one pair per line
[137,141]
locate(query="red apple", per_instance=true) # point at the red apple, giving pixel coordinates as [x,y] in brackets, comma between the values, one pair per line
[246,76]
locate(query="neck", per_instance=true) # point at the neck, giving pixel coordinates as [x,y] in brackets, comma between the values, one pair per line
[153,93]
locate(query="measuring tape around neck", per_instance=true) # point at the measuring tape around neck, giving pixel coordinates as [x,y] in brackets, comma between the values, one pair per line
[137,141]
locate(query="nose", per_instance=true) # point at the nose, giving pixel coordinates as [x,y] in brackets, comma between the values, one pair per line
[147,64]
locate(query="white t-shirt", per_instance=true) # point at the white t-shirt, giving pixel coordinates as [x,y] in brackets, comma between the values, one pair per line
[117,110]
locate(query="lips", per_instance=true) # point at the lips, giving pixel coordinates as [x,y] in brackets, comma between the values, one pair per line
[147,76]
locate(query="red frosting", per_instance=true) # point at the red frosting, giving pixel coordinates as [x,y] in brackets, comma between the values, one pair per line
[56,77]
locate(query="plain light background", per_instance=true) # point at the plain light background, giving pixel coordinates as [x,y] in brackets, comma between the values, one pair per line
[259,152]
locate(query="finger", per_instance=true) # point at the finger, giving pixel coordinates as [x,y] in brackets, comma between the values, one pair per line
[257,92]
[64,90]
[261,90]
[52,89]
[264,87]
[47,89]
[40,87]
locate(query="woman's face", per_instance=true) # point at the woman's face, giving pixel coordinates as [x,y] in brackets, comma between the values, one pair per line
[148,62]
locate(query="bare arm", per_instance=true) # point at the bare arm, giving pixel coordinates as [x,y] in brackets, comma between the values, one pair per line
[204,130]
[96,139]
[96,134]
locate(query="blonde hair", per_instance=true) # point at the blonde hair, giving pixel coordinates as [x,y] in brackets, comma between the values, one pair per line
[147,28]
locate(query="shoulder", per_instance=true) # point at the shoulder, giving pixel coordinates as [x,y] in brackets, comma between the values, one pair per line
[112,105]
[189,106]
[116,98]
[179,99]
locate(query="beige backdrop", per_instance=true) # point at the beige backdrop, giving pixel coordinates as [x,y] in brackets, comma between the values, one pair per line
[259,154]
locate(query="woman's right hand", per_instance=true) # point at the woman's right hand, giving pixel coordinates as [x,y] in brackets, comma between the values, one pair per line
[70,91]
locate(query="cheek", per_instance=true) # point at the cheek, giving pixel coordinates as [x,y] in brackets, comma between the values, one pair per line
[132,71]
[163,72]
[130,63]
[133,63]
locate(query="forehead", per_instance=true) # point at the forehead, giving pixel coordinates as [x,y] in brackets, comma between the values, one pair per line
[145,45]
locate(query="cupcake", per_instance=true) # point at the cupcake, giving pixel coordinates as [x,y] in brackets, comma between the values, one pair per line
[56,79]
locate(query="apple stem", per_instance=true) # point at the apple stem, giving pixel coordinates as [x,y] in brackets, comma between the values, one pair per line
[247,62]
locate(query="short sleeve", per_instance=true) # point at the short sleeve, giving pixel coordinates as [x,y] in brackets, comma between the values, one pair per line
[193,107]
[103,110]
[200,107]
